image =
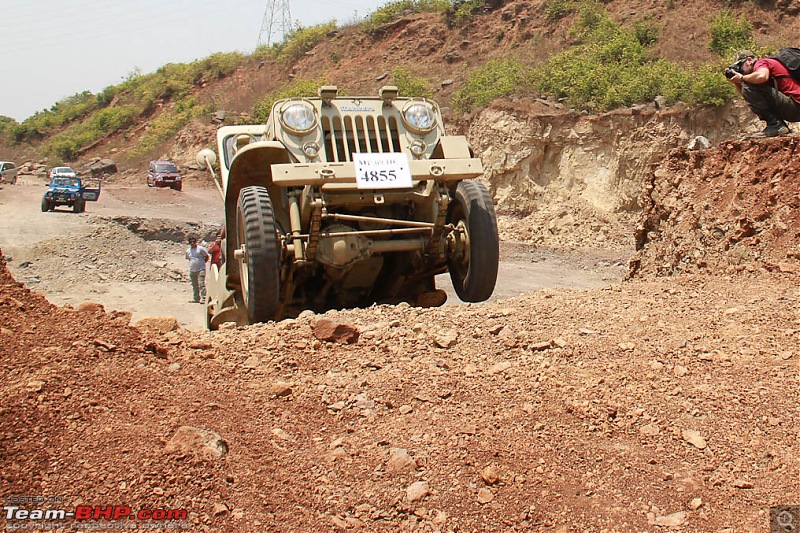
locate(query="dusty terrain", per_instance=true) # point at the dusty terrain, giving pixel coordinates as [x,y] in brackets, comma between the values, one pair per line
[574,401]
[127,251]
[651,404]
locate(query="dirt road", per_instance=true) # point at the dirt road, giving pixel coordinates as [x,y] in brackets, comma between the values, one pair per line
[126,252]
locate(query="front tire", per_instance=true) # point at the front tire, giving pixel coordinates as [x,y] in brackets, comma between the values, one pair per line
[45,205]
[474,250]
[259,264]
[79,206]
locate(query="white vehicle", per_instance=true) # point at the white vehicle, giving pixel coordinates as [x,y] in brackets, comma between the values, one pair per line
[8,172]
[65,172]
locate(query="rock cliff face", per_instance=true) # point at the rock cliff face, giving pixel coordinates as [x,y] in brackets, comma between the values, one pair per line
[602,160]
[576,179]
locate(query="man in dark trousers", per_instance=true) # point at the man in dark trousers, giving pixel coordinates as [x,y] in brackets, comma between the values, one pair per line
[770,92]
[197,256]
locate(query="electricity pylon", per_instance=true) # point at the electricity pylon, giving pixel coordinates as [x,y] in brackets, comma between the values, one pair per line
[277,22]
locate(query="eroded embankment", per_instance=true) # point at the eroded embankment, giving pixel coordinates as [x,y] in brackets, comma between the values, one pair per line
[732,207]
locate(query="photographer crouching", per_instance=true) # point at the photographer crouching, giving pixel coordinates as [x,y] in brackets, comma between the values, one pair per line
[770,92]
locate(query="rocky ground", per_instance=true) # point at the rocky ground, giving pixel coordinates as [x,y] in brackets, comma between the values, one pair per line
[665,402]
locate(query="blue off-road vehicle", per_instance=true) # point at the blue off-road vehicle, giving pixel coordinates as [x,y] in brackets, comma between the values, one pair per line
[66,188]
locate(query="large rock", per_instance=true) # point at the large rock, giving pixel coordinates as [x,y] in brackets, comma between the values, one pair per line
[99,167]
[202,443]
[340,332]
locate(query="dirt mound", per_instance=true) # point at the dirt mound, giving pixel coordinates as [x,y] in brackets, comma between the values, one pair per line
[118,249]
[616,409]
[729,208]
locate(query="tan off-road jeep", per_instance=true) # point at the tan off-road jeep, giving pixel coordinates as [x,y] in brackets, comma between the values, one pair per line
[347,201]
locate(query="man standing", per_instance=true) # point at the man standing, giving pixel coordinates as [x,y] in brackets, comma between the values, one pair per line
[197,256]
[770,92]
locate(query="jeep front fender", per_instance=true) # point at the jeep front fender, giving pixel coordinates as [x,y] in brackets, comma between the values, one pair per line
[252,166]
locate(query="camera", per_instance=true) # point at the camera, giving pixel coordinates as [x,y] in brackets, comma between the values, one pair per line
[737,67]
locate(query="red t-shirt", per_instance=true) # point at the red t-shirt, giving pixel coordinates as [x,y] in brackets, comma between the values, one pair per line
[786,84]
[216,254]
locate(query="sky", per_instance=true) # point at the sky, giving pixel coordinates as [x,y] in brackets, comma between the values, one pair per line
[52,49]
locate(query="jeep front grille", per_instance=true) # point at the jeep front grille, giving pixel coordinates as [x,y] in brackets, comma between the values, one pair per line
[347,135]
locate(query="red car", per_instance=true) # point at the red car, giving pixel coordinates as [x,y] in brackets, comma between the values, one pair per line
[164,174]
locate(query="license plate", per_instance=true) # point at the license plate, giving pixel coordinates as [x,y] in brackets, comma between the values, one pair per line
[382,171]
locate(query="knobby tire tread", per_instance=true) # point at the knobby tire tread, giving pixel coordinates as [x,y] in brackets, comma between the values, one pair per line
[263,253]
[478,282]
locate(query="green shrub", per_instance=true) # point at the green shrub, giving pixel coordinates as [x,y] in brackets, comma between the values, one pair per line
[301,40]
[610,68]
[6,123]
[298,89]
[67,144]
[558,9]
[168,123]
[646,31]
[729,33]
[136,95]
[709,88]
[63,112]
[265,52]
[219,65]
[394,10]
[462,10]
[410,85]
[495,79]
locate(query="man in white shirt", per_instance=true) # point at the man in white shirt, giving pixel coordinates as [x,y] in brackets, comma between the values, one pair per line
[197,256]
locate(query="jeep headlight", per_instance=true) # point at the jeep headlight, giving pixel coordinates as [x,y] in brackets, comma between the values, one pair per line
[419,117]
[299,117]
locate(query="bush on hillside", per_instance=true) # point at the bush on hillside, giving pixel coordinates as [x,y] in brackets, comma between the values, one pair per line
[495,79]
[646,31]
[462,10]
[410,85]
[84,118]
[609,67]
[730,33]
[168,123]
[301,40]
[70,109]
[396,9]
[67,144]
[298,89]
[558,9]
[6,123]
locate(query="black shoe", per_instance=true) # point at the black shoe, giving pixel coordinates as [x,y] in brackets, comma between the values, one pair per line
[776,130]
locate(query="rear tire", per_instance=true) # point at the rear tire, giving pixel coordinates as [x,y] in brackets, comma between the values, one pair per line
[259,269]
[474,253]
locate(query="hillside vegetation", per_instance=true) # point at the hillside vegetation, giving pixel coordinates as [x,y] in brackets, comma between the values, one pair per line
[601,64]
